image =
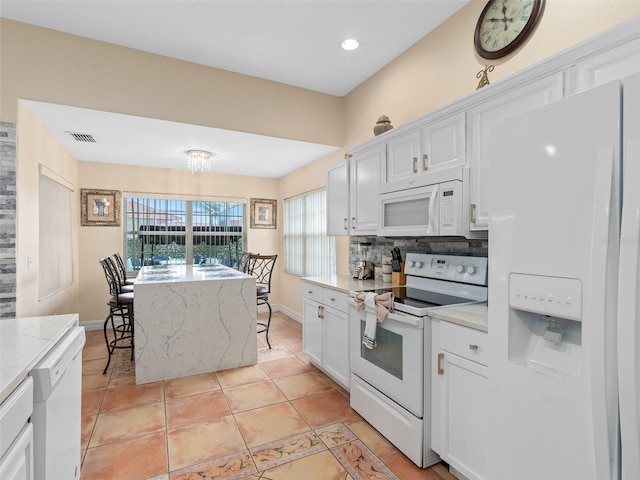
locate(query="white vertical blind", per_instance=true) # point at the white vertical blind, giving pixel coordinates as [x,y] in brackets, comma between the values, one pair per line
[56,240]
[308,251]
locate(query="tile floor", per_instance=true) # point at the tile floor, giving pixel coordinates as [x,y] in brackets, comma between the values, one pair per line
[280,419]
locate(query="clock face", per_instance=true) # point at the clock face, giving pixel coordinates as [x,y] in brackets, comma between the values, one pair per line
[505,24]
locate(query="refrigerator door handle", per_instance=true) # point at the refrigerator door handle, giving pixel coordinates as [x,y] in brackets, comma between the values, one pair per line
[605,230]
[629,314]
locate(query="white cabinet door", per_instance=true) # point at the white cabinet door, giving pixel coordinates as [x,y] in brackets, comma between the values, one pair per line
[403,157]
[17,463]
[611,65]
[338,199]
[481,117]
[464,393]
[443,145]
[364,179]
[312,334]
[336,345]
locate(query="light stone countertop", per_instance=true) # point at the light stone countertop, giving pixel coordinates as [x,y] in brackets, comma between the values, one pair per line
[187,273]
[473,315]
[346,283]
[24,342]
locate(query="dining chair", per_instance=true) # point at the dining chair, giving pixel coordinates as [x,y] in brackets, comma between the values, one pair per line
[120,306]
[261,268]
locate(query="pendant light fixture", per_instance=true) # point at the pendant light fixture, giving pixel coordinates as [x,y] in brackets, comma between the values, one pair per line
[199,161]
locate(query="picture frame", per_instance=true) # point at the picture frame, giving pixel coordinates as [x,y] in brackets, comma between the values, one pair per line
[99,208]
[264,213]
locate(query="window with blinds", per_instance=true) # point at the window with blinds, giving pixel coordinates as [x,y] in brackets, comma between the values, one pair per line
[308,250]
[178,232]
[55,272]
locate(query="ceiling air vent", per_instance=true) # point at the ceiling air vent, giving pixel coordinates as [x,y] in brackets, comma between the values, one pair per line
[82,137]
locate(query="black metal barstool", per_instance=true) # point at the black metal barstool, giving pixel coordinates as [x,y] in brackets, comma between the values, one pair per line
[261,268]
[125,283]
[121,306]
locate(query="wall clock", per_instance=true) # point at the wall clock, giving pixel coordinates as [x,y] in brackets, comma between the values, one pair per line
[504,24]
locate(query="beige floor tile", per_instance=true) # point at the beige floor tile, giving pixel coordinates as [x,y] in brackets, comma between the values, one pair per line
[133,459]
[91,401]
[197,443]
[305,384]
[95,381]
[128,422]
[405,469]
[95,366]
[275,353]
[362,462]
[442,470]
[324,408]
[238,465]
[320,466]
[122,381]
[373,439]
[196,408]
[241,376]
[285,367]
[87,424]
[130,395]
[267,424]
[254,395]
[191,385]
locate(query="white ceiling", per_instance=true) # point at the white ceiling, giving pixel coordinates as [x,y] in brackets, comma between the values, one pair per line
[292,42]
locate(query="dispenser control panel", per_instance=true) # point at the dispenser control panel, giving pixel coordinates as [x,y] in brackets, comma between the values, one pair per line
[554,296]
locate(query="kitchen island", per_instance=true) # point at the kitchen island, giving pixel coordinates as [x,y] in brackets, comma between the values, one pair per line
[193,319]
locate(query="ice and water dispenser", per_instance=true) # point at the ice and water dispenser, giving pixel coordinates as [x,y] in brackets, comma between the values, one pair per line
[545,325]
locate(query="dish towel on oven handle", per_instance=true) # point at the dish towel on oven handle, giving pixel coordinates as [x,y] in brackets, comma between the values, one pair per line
[380,304]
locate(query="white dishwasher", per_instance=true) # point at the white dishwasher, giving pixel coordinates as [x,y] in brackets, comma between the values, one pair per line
[57,382]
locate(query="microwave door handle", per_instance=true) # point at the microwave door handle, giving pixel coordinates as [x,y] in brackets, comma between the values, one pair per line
[432,228]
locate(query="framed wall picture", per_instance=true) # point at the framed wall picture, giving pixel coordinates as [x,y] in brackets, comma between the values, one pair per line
[263,213]
[99,207]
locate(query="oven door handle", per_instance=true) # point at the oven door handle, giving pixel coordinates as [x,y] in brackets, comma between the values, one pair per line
[406,319]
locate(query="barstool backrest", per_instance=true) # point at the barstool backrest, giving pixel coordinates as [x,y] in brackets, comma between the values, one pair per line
[261,269]
[110,273]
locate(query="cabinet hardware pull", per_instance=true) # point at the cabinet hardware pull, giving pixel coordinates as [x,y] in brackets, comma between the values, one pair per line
[321,311]
[332,299]
[353,222]
[309,292]
[473,213]
[473,347]
[345,223]
[440,357]
[415,164]
[425,157]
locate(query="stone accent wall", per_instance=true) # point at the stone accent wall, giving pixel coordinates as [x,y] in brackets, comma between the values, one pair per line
[372,248]
[7,220]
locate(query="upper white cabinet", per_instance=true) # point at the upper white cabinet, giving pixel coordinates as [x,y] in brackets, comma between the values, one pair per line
[607,66]
[338,199]
[364,173]
[423,155]
[352,193]
[481,117]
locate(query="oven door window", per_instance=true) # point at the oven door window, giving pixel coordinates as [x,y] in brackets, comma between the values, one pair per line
[387,354]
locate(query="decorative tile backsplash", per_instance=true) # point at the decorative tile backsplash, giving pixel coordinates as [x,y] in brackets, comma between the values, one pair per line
[373,248]
[7,220]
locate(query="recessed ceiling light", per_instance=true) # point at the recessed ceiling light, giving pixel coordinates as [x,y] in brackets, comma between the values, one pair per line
[350,44]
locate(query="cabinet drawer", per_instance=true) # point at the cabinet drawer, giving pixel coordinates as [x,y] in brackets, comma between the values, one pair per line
[466,342]
[313,291]
[335,299]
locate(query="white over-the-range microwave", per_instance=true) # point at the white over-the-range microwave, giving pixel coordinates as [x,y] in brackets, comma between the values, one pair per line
[440,209]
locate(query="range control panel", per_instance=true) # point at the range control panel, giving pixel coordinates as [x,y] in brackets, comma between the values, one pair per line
[447,267]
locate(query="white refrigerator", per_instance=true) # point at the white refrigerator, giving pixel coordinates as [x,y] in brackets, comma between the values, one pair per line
[564,326]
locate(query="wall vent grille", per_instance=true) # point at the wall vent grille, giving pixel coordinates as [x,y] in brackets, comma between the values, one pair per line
[82,137]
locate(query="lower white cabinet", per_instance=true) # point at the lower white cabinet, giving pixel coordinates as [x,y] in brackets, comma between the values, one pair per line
[459,395]
[325,331]
[16,434]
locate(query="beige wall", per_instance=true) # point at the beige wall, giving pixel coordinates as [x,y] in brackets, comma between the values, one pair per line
[38,147]
[43,65]
[441,68]
[97,242]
